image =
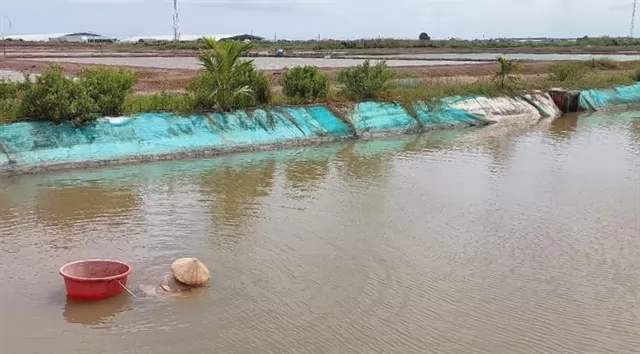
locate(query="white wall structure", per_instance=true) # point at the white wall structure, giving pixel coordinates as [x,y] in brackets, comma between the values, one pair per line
[44,37]
[61,37]
[183,37]
[82,37]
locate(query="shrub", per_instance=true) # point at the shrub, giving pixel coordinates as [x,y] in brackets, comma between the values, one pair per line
[366,81]
[602,64]
[567,72]
[10,98]
[305,83]
[59,99]
[229,82]
[107,87]
[636,75]
[259,84]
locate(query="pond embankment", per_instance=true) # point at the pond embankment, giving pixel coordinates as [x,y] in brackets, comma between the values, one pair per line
[29,147]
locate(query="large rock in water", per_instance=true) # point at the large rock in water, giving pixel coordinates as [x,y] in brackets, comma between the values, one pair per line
[190,271]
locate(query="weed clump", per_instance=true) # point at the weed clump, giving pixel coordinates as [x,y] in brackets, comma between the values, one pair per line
[305,83]
[568,72]
[10,101]
[159,102]
[602,64]
[54,97]
[366,81]
[107,87]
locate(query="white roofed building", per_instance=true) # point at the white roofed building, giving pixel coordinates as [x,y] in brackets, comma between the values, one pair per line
[81,37]
[190,37]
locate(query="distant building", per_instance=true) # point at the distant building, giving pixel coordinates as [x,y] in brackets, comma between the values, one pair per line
[192,38]
[33,37]
[82,37]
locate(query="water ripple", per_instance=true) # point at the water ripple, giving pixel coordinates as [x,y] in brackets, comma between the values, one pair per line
[518,238]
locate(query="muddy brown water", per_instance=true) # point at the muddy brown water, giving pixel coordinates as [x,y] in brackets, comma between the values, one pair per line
[507,239]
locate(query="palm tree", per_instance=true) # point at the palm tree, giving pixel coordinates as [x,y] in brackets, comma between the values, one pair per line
[222,62]
[507,69]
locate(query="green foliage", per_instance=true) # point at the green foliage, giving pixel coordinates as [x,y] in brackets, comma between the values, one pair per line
[489,44]
[53,97]
[202,90]
[305,83]
[602,64]
[593,81]
[229,82]
[10,100]
[592,43]
[435,91]
[424,37]
[107,87]
[636,75]
[568,72]
[366,81]
[508,68]
[159,102]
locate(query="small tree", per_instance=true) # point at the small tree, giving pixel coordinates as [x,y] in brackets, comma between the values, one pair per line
[508,69]
[366,81]
[424,37]
[227,74]
[305,83]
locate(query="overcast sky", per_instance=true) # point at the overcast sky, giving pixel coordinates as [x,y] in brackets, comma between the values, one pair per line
[301,19]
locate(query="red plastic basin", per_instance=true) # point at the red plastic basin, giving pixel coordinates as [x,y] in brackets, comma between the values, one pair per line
[95,279]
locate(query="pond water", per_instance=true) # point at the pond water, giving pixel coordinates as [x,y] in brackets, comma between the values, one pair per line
[508,239]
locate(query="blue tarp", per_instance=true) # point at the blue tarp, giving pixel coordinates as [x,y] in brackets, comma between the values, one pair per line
[145,136]
[441,115]
[600,99]
[158,134]
[376,117]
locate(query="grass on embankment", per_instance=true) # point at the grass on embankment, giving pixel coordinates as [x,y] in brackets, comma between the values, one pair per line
[104,91]
[183,103]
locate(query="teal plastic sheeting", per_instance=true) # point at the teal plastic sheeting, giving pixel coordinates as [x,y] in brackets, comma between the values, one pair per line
[147,136]
[442,115]
[159,134]
[376,117]
[601,99]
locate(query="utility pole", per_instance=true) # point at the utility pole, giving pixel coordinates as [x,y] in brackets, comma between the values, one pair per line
[176,22]
[633,18]
[4,42]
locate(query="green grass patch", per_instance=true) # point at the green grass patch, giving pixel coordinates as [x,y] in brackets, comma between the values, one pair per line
[602,64]
[593,81]
[178,103]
